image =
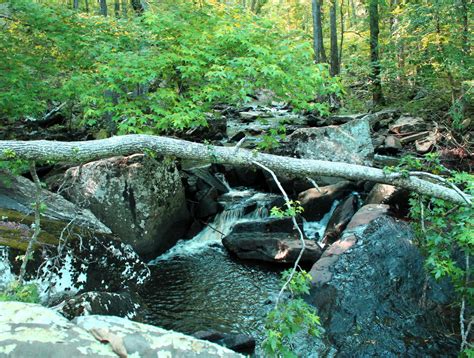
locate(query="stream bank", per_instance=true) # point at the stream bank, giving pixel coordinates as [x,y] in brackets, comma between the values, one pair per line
[196,285]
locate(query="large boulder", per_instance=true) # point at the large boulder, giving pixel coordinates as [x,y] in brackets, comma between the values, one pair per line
[17,195]
[29,330]
[141,199]
[123,304]
[368,289]
[74,252]
[269,240]
[348,143]
[81,264]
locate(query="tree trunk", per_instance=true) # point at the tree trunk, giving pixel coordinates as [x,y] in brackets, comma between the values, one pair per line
[117,8]
[75,4]
[318,45]
[139,6]
[103,7]
[124,8]
[377,94]
[341,12]
[43,150]
[334,50]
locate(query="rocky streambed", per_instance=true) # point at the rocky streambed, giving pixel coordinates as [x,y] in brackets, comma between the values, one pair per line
[190,247]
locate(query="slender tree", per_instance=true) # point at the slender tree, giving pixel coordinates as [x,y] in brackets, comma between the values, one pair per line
[341,12]
[117,8]
[318,45]
[75,4]
[334,50]
[377,94]
[103,7]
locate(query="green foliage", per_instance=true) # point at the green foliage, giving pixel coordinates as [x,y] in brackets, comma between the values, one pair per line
[446,233]
[290,318]
[23,293]
[12,165]
[293,208]
[272,139]
[164,69]
[429,163]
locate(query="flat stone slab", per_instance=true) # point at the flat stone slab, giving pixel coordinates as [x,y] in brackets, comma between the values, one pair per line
[32,331]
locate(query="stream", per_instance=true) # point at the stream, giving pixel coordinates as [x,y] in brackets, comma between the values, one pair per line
[198,286]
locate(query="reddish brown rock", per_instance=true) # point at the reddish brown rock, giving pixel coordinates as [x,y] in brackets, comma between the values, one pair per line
[316,202]
[321,272]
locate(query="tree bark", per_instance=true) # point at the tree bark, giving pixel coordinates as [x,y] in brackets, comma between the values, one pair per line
[75,4]
[341,12]
[377,94]
[117,8]
[139,6]
[334,49]
[103,7]
[77,152]
[318,45]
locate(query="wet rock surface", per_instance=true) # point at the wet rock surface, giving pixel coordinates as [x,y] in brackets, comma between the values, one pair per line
[273,240]
[368,291]
[241,343]
[140,199]
[317,201]
[17,194]
[30,331]
[125,304]
[93,263]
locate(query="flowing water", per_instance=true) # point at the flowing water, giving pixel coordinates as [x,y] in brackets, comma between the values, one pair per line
[198,286]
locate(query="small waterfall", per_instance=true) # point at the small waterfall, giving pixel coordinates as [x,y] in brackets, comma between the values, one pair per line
[315,229]
[236,203]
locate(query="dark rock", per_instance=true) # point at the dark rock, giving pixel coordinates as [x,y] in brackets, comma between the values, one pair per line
[16,193]
[140,199]
[86,263]
[211,336]
[241,343]
[275,247]
[316,203]
[396,198]
[368,289]
[103,303]
[406,124]
[340,218]
[284,225]
[207,203]
[344,118]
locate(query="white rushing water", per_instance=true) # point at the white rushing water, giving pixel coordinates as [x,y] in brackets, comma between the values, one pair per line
[315,229]
[235,203]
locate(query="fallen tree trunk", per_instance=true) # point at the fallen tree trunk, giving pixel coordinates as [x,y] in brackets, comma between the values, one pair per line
[77,152]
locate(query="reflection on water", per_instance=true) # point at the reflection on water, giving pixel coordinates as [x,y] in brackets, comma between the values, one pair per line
[211,291]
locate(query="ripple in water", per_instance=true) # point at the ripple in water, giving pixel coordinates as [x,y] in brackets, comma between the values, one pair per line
[211,291]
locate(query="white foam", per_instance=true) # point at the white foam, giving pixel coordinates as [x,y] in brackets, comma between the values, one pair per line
[316,229]
[221,226]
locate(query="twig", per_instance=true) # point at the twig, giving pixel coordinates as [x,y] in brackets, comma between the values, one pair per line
[295,224]
[239,144]
[37,228]
[465,330]
[314,184]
